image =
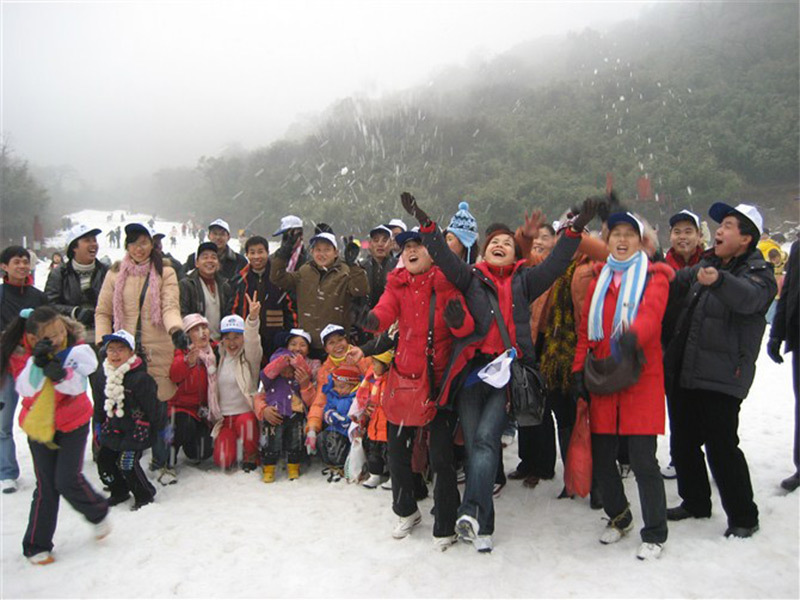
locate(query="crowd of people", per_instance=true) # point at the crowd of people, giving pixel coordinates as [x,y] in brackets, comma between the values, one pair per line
[402,365]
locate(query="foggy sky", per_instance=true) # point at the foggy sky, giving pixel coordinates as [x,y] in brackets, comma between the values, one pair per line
[117,89]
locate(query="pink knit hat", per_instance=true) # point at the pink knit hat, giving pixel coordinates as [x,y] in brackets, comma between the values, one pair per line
[193,320]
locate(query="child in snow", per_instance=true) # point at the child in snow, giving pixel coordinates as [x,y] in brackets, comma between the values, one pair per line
[55,414]
[194,371]
[232,412]
[127,417]
[367,410]
[340,391]
[287,382]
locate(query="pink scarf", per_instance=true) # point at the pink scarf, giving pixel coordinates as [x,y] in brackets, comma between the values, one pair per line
[298,248]
[210,361]
[129,267]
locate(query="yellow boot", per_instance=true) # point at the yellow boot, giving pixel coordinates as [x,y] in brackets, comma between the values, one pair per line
[269,474]
[294,470]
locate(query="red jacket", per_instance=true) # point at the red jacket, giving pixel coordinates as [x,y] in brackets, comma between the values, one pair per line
[675,260]
[639,409]
[407,299]
[192,382]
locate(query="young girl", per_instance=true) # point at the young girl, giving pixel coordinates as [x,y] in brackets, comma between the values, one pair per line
[288,384]
[55,414]
[127,417]
[334,443]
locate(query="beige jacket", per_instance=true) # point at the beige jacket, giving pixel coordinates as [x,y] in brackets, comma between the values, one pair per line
[156,340]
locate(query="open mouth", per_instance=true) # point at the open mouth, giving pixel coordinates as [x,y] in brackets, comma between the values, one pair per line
[499,253]
[413,259]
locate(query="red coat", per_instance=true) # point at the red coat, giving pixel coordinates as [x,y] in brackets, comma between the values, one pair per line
[192,382]
[639,409]
[407,299]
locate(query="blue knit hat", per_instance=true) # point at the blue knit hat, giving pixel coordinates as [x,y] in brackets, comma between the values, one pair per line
[464,226]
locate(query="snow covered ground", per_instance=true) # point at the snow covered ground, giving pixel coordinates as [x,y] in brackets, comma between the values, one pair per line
[229,535]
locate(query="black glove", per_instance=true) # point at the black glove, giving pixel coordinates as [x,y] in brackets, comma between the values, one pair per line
[351,251]
[180,340]
[588,211]
[42,352]
[85,316]
[454,314]
[54,371]
[578,389]
[774,350]
[410,205]
[288,242]
[371,322]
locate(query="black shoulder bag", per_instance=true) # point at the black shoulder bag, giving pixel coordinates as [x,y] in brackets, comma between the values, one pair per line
[526,386]
[140,351]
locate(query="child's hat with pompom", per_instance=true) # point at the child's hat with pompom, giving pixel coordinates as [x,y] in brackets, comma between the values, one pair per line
[464,226]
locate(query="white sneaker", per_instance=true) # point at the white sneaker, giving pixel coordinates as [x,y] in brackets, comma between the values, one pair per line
[648,551]
[9,486]
[483,543]
[444,542]
[507,439]
[41,559]
[669,472]
[612,534]
[372,481]
[167,476]
[102,529]
[387,485]
[467,528]
[406,524]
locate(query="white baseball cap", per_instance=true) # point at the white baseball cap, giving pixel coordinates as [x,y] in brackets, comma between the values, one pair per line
[80,231]
[684,215]
[288,222]
[131,228]
[720,210]
[220,223]
[330,329]
[328,237]
[397,223]
[231,323]
[300,333]
[120,336]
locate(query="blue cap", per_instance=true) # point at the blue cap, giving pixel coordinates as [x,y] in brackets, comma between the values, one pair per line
[625,217]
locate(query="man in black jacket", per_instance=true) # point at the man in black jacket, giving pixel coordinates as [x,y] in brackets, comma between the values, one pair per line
[710,365]
[205,291]
[73,288]
[786,328]
[230,262]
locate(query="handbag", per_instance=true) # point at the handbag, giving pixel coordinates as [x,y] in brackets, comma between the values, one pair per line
[409,400]
[526,386]
[604,376]
[139,349]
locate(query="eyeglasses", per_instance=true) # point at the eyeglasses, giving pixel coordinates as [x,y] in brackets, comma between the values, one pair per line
[144,244]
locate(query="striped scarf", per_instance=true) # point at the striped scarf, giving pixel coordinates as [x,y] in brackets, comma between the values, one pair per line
[634,276]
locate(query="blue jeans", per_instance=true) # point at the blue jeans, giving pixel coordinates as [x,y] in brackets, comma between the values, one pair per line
[482,410]
[9,469]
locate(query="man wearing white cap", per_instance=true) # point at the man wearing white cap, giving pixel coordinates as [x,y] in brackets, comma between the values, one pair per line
[291,227]
[230,262]
[325,286]
[710,365]
[396,226]
[73,288]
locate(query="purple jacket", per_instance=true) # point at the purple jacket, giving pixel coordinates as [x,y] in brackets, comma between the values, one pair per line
[279,390]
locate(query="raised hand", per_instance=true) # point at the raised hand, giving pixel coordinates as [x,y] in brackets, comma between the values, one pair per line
[254,305]
[588,211]
[533,223]
[410,205]
[351,251]
[707,276]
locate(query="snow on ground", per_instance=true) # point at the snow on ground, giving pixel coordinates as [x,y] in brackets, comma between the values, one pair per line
[229,535]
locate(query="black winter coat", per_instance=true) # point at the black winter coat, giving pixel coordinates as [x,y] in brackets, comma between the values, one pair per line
[141,407]
[376,276]
[63,288]
[13,298]
[194,301]
[786,324]
[229,264]
[719,331]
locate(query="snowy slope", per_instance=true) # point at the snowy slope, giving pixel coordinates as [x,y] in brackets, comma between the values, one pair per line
[229,535]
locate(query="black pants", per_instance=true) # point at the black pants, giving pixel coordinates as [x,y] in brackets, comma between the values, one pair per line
[445,492]
[642,451]
[193,436]
[537,443]
[58,473]
[286,437]
[711,418]
[333,447]
[124,476]
[796,379]
[376,457]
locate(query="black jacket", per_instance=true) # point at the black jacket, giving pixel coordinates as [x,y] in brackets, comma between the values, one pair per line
[230,263]
[63,288]
[376,275]
[141,407]
[194,301]
[13,298]
[786,324]
[718,334]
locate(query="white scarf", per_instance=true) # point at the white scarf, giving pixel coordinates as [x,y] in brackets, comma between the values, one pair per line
[115,391]
[634,278]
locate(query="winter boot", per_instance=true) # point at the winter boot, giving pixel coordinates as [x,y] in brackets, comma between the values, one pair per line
[293,469]
[617,527]
[268,473]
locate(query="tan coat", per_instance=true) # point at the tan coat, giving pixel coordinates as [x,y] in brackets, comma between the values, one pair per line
[156,340]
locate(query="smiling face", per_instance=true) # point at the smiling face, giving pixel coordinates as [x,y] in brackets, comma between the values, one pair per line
[200,336]
[324,253]
[416,258]
[500,251]
[219,236]
[232,341]
[298,345]
[257,256]
[455,245]
[336,345]
[684,238]
[207,264]
[729,242]
[117,353]
[86,250]
[544,242]
[140,248]
[18,268]
[624,241]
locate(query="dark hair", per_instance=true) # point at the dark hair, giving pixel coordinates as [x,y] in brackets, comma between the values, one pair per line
[747,227]
[255,241]
[12,335]
[156,257]
[549,228]
[14,252]
[496,229]
[608,205]
[71,249]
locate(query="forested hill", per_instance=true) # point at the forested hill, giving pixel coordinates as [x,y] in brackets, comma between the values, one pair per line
[699,99]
